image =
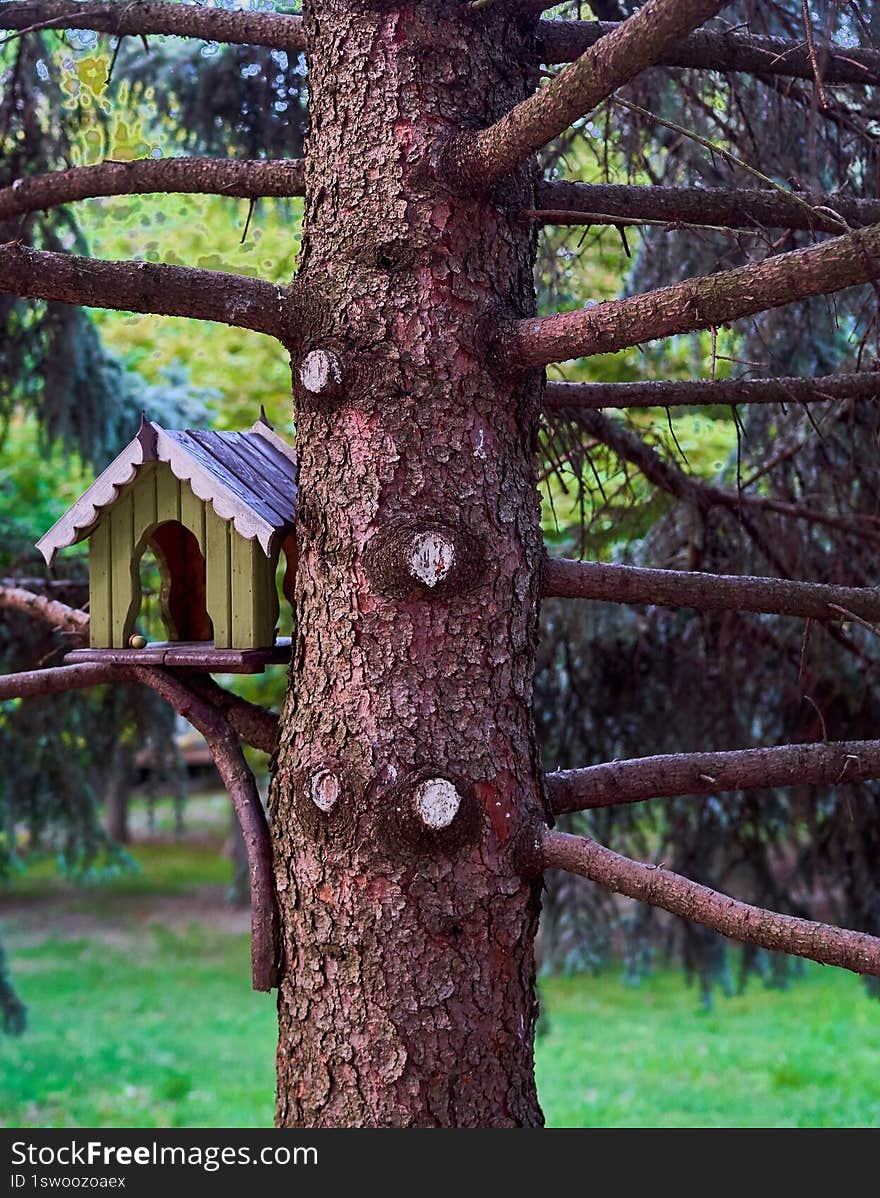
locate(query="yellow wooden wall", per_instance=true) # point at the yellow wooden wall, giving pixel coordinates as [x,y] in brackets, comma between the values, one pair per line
[242,598]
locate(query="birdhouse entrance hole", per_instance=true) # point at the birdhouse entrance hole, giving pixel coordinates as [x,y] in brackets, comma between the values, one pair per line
[172,552]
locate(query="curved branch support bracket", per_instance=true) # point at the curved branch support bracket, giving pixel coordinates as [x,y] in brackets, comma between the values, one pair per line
[241,785]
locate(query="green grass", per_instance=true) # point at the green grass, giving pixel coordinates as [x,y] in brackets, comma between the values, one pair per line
[648,1056]
[158,868]
[170,1035]
[134,1024]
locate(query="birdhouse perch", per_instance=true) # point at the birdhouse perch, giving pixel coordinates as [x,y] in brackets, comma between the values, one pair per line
[216,508]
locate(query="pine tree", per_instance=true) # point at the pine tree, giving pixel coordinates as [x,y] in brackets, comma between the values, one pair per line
[410,820]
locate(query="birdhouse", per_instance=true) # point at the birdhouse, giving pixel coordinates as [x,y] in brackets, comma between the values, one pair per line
[216,509]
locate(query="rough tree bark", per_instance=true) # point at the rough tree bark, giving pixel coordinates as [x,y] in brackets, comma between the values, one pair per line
[407,765]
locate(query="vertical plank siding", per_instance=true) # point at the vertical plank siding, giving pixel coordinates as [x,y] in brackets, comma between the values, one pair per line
[241,593]
[218,581]
[100,593]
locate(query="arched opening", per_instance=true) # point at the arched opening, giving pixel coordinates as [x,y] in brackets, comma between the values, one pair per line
[173,585]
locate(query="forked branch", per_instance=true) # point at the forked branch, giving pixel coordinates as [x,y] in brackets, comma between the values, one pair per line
[141,17]
[560,397]
[481,159]
[669,775]
[144,287]
[206,176]
[562,41]
[600,581]
[737,920]
[700,303]
[219,723]
[253,724]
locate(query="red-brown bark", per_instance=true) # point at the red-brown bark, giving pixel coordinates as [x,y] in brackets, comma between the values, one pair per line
[700,303]
[670,774]
[143,17]
[205,176]
[607,583]
[235,300]
[751,925]
[407,996]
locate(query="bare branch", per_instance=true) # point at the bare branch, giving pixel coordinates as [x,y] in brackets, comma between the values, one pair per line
[669,775]
[481,159]
[700,303]
[739,921]
[630,447]
[144,287]
[559,397]
[567,579]
[253,724]
[563,41]
[239,782]
[207,176]
[719,207]
[48,611]
[33,683]
[121,17]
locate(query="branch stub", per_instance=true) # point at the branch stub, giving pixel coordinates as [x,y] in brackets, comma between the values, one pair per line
[437,803]
[320,372]
[324,788]
[413,556]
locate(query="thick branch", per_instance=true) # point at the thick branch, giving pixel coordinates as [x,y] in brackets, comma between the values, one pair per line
[143,287]
[563,41]
[478,160]
[669,775]
[206,176]
[121,17]
[559,397]
[65,619]
[739,921]
[733,208]
[253,724]
[239,782]
[700,303]
[599,581]
[33,683]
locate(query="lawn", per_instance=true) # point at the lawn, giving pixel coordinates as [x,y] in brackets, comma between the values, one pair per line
[141,1015]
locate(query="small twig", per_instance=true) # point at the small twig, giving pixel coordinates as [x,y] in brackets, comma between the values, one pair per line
[811,50]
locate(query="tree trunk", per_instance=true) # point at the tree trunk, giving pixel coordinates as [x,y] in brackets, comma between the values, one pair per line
[116,792]
[407,775]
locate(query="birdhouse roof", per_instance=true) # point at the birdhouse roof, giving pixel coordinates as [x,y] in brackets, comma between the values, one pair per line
[249,478]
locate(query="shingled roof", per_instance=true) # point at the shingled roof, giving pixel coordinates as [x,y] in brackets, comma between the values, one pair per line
[248,478]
